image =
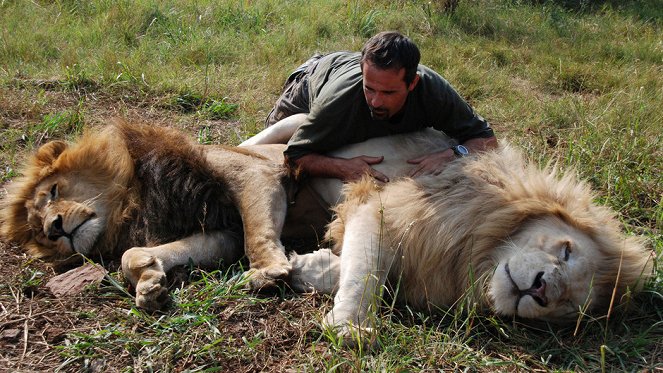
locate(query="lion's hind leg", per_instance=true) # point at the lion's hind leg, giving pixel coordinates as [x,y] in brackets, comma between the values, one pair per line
[317,271]
[145,267]
[263,205]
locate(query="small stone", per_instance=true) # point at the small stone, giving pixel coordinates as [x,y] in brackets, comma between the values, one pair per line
[74,281]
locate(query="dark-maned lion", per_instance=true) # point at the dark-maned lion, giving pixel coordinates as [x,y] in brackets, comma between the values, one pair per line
[155,198]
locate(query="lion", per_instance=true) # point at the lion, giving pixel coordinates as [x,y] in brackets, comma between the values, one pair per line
[492,229]
[155,198]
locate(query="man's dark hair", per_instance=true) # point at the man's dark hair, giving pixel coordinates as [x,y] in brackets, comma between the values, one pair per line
[392,50]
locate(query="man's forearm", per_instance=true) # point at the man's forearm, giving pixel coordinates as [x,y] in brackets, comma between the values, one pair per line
[318,165]
[480,144]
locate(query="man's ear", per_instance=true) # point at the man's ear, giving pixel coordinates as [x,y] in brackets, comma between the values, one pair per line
[413,83]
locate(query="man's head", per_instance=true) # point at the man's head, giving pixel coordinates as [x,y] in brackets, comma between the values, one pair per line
[389,63]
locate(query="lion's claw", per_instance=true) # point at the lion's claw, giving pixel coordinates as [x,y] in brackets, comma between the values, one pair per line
[264,278]
[151,291]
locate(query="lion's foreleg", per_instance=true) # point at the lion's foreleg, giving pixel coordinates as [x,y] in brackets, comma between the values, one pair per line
[146,267]
[365,260]
[263,215]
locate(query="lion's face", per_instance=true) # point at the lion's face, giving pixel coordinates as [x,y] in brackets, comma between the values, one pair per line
[546,272]
[65,216]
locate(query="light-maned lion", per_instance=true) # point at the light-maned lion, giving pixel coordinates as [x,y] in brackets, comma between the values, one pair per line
[492,228]
[155,198]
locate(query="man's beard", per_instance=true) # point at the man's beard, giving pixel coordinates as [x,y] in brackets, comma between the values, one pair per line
[379,113]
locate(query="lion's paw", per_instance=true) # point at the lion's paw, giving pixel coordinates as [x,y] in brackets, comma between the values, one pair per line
[350,335]
[267,277]
[151,290]
[146,274]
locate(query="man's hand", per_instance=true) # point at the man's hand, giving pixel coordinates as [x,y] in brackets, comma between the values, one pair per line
[354,168]
[434,163]
[340,168]
[431,164]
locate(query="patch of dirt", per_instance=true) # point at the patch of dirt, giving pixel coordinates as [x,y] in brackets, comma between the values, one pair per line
[34,325]
[33,321]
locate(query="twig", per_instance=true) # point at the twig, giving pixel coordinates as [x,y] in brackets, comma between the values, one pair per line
[22,319]
[17,296]
[614,289]
[25,333]
[4,310]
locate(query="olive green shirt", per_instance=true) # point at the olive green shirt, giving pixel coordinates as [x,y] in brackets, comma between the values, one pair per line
[339,114]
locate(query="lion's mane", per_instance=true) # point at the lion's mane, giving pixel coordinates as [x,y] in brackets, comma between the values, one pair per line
[156,184]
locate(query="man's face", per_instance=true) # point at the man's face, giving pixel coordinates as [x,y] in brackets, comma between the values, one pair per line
[385,90]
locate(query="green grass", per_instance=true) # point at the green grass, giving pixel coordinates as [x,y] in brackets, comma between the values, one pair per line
[579,83]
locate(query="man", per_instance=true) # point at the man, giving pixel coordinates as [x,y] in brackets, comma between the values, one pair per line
[351,97]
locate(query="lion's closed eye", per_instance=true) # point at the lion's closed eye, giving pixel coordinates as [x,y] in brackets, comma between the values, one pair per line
[566,251]
[54,192]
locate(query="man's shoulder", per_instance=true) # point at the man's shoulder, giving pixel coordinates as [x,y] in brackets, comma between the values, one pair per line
[337,75]
[431,77]
[341,57]
[337,63]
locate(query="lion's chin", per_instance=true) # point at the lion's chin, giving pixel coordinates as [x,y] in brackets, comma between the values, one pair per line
[506,301]
[503,293]
[82,241]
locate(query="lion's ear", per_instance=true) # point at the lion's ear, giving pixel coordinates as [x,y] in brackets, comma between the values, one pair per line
[49,152]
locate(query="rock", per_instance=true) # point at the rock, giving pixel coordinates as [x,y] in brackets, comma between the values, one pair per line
[75,280]
[10,334]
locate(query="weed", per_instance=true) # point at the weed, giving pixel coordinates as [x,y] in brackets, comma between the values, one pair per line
[62,123]
[188,102]
[216,110]
[32,278]
[207,108]
[367,26]
[205,136]
[76,78]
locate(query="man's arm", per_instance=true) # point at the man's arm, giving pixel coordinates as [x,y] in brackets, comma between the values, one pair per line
[318,165]
[480,144]
[434,163]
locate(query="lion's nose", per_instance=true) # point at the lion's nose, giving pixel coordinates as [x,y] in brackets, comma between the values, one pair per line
[538,290]
[56,230]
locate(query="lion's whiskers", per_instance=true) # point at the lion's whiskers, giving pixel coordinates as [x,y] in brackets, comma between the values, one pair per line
[88,202]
